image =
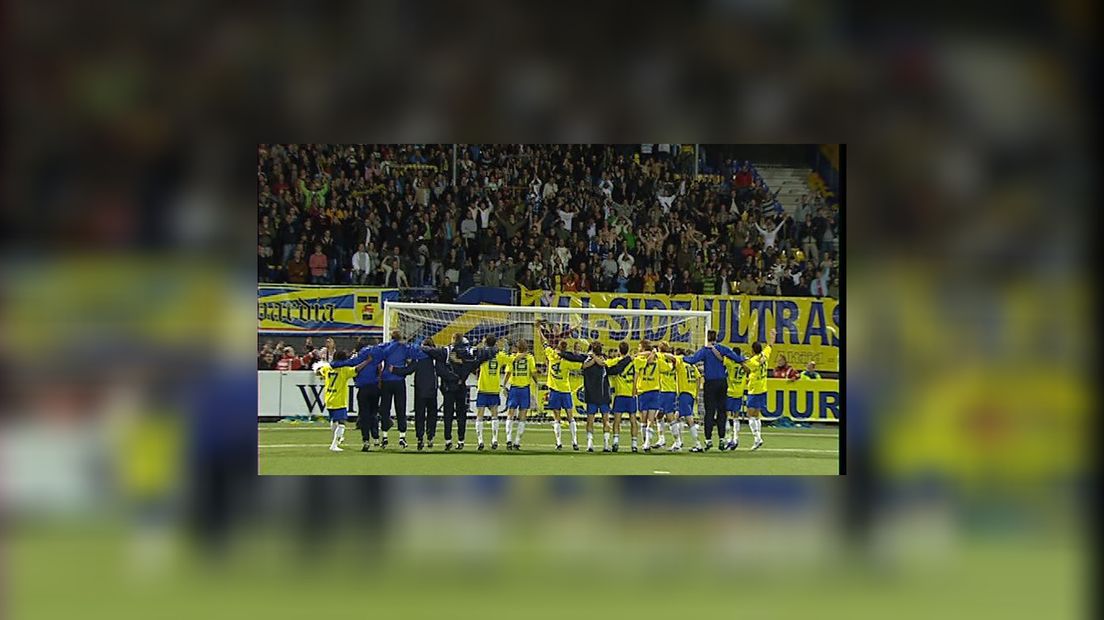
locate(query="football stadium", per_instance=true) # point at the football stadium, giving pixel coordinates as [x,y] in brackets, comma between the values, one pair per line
[460,309]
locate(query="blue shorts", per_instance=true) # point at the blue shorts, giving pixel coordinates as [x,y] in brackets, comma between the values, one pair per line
[624,404]
[339,415]
[559,401]
[517,398]
[667,402]
[592,409]
[734,404]
[757,401]
[649,401]
[685,405]
[487,399]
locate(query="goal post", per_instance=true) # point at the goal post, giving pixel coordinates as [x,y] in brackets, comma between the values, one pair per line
[580,326]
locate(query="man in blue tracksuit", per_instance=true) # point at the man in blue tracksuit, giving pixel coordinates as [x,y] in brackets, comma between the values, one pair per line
[454,364]
[426,371]
[715,391]
[391,355]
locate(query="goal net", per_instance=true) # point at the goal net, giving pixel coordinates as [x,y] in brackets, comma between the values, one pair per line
[545,326]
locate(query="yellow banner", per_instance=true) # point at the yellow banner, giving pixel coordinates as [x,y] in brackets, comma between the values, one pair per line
[808,329]
[813,400]
[291,308]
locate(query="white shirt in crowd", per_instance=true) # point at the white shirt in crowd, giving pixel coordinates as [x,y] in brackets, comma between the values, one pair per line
[566,217]
[666,201]
[607,188]
[769,235]
[362,261]
[625,262]
[563,253]
[485,215]
[550,189]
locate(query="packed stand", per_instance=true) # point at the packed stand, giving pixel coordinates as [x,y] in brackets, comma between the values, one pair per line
[553,217]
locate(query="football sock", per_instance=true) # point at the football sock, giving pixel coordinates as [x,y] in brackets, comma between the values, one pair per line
[735,429]
[678,433]
[520,431]
[617,439]
[590,439]
[509,428]
[756,426]
[574,431]
[494,429]
[694,434]
[558,432]
[479,429]
[605,439]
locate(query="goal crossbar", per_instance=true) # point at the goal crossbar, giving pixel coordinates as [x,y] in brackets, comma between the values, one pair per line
[704,315]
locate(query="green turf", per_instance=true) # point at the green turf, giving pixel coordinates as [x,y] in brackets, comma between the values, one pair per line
[302,450]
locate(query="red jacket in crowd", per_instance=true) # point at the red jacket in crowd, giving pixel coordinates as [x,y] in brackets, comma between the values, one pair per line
[289,362]
[784,372]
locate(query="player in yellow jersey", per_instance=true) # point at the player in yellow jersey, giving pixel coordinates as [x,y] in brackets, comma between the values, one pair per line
[668,393]
[758,367]
[737,385]
[689,382]
[560,402]
[491,364]
[519,378]
[622,373]
[575,376]
[648,369]
[336,394]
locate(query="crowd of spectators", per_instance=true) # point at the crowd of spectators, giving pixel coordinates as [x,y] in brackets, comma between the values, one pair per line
[281,355]
[554,217]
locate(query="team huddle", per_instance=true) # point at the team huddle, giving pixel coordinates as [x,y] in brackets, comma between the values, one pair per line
[655,387]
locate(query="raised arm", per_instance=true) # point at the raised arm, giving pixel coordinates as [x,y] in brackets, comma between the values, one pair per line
[729,353]
[574,357]
[366,354]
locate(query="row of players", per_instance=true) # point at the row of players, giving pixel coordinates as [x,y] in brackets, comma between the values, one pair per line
[655,387]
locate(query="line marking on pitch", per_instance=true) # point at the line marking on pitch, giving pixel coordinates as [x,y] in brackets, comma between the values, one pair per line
[660,471]
[397,451]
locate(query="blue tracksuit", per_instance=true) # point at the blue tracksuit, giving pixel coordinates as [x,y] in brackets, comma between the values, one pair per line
[714,368]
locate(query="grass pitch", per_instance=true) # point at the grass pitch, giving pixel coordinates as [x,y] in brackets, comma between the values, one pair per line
[302,450]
